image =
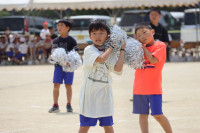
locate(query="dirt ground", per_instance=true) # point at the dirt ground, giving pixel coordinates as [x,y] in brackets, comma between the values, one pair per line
[26,97]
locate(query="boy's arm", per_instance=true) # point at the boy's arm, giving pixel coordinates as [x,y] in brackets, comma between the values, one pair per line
[104,56]
[149,56]
[120,62]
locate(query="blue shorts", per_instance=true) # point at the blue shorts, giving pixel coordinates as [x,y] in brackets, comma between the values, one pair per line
[10,54]
[60,75]
[19,56]
[103,121]
[142,103]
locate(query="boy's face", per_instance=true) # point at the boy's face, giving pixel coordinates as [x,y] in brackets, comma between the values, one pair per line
[62,29]
[145,36]
[154,16]
[3,40]
[48,37]
[98,36]
[45,26]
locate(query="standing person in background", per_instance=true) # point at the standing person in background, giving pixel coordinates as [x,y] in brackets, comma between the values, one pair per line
[160,31]
[51,30]
[68,43]
[44,31]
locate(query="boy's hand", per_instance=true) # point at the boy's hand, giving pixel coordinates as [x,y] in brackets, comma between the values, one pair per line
[67,64]
[143,46]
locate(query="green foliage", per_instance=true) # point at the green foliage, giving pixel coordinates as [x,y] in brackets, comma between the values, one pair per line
[4,13]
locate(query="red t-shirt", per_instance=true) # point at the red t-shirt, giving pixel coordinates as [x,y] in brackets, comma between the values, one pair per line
[148,81]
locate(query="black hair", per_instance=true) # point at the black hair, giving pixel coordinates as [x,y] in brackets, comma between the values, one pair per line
[156,9]
[142,25]
[98,25]
[37,34]
[66,22]
[50,28]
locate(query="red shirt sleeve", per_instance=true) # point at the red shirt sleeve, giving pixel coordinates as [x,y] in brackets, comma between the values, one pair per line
[160,51]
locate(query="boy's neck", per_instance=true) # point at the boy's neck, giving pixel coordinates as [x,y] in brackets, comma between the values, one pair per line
[155,23]
[96,46]
[64,35]
[150,43]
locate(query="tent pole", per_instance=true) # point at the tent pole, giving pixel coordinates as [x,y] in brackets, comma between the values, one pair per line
[61,14]
[113,14]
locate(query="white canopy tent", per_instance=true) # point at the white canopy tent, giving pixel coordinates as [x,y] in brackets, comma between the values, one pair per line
[99,4]
[88,4]
[14,4]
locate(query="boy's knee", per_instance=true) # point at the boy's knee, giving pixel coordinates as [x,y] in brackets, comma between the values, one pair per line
[158,117]
[143,116]
[68,86]
[56,86]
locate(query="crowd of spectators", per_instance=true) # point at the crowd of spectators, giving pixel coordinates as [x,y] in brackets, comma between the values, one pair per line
[16,49]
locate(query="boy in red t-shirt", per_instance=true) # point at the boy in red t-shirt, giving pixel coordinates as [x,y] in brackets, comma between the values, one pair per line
[147,89]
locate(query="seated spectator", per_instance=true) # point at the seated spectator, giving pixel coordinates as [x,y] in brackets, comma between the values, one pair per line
[51,30]
[22,51]
[3,45]
[47,46]
[31,45]
[17,40]
[7,34]
[38,47]
[10,50]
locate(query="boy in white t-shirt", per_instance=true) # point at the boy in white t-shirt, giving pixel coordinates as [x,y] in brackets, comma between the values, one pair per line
[22,50]
[96,100]
[10,50]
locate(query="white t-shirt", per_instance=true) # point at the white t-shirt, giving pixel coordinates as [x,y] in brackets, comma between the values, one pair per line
[16,45]
[3,45]
[30,44]
[38,44]
[43,33]
[11,45]
[23,48]
[96,98]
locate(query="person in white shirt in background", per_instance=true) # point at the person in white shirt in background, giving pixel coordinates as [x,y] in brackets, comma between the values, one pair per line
[16,41]
[44,31]
[96,98]
[22,51]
